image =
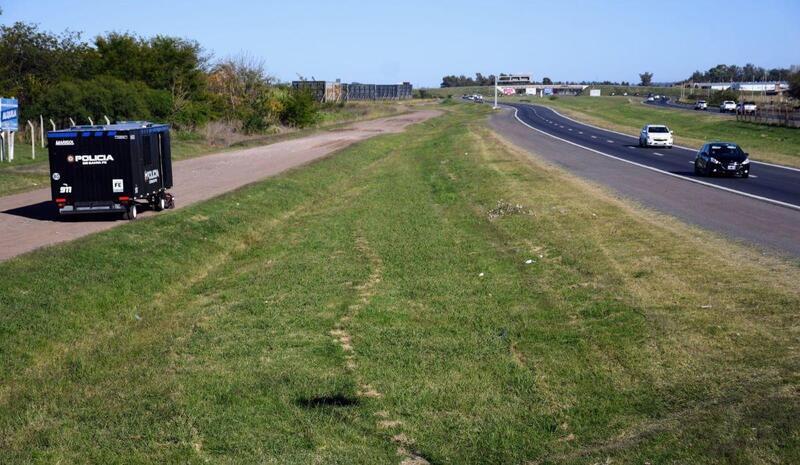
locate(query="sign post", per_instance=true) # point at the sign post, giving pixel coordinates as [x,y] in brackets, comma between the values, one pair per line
[9,122]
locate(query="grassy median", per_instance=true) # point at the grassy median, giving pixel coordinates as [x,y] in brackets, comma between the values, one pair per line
[434,296]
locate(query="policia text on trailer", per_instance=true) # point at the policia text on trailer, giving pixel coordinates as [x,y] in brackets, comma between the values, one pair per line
[102,169]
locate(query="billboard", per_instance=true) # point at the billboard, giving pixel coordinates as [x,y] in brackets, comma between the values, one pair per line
[9,118]
[508,90]
[594,92]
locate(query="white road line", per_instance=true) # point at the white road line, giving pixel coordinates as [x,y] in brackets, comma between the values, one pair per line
[580,132]
[631,147]
[667,173]
[775,165]
[691,163]
[753,176]
[594,137]
[609,141]
[570,129]
[658,154]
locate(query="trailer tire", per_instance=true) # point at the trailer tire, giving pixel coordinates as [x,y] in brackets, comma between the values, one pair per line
[160,203]
[131,213]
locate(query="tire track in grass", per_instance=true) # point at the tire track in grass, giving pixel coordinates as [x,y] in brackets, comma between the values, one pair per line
[342,335]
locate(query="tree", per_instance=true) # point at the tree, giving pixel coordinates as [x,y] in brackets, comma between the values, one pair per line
[646,78]
[794,85]
[547,81]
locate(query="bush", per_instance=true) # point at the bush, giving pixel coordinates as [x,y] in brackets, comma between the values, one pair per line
[300,110]
[720,96]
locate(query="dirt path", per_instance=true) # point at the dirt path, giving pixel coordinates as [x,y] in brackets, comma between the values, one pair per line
[29,220]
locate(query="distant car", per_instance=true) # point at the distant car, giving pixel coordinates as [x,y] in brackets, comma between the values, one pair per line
[701,105]
[724,158]
[651,99]
[727,106]
[477,98]
[655,135]
[746,108]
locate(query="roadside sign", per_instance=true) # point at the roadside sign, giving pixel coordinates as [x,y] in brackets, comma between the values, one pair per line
[594,92]
[9,114]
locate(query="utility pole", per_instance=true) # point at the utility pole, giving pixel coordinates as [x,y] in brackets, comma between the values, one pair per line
[495,92]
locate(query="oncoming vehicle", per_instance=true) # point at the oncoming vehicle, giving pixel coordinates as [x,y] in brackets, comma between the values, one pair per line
[701,105]
[655,135]
[728,106]
[724,158]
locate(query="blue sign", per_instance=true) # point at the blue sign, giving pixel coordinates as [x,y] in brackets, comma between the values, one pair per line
[9,114]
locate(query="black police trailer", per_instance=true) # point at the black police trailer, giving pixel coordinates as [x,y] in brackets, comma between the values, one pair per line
[110,168]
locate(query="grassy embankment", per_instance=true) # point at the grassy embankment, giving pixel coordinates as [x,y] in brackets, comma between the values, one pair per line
[765,143]
[377,306]
[26,173]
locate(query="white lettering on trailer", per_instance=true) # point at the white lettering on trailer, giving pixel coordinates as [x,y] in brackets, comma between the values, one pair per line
[91,159]
[65,142]
[66,189]
[151,176]
[117,185]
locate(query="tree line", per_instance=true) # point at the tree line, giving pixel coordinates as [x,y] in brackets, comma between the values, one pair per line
[746,73]
[127,77]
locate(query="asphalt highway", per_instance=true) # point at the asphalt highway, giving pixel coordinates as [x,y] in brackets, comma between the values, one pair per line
[763,209]
[773,183]
[712,110]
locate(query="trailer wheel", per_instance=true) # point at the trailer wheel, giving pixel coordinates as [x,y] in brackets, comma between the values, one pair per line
[130,214]
[160,203]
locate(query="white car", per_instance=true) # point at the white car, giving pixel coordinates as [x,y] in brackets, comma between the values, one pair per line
[746,108]
[655,135]
[727,106]
[701,105]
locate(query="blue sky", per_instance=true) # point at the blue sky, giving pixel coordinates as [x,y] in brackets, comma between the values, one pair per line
[421,41]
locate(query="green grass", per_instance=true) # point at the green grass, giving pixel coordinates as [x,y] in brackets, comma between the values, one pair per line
[766,143]
[376,306]
[27,173]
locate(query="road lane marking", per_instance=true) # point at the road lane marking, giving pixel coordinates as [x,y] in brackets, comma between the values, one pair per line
[580,132]
[659,154]
[609,141]
[774,165]
[570,129]
[657,170]
[594,137]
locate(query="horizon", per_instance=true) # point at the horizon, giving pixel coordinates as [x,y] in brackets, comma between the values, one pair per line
[423,42]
